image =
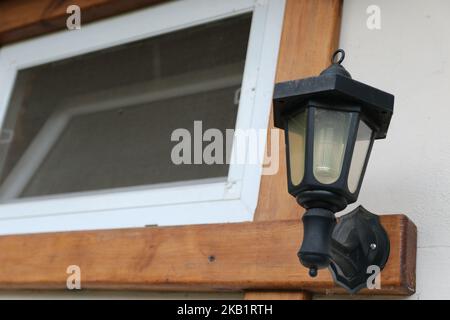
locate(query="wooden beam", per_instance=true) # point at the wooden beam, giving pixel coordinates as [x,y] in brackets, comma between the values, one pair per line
[310,35]
[24,19]
[257,256]
[277,295]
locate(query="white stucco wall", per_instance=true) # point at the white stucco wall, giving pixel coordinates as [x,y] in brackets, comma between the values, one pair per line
[409,172]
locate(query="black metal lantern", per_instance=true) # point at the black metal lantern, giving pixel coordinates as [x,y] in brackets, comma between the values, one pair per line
[330,123]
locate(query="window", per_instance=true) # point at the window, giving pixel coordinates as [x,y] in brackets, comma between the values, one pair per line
[104,120]
[88,117]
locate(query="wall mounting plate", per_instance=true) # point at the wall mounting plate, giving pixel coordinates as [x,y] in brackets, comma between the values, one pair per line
[359,247]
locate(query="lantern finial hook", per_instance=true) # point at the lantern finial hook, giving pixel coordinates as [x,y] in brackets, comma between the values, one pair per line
[335,55]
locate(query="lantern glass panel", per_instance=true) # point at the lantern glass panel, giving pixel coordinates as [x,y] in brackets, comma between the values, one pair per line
[359,157]
[331,133]
[296,140]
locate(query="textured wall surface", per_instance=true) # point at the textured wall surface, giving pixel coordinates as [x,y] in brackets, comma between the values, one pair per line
[409,172]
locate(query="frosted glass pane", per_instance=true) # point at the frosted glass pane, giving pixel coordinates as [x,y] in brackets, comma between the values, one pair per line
[296,136]
[362,145]
[331,131]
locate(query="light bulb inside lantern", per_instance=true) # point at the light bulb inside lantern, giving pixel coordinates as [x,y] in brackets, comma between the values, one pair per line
[331,132]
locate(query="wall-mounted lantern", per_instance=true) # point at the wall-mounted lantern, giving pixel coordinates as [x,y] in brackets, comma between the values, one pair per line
[330,123]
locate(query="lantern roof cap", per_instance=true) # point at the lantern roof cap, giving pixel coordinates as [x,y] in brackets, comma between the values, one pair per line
[334,88]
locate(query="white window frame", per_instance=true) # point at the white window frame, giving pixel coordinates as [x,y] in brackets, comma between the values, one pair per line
[205,201]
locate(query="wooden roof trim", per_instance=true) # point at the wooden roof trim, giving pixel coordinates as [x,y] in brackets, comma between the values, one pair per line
[20,20]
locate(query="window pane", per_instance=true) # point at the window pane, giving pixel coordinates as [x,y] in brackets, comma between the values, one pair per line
[331,131]
[104,119]
[296,136]
[362,145]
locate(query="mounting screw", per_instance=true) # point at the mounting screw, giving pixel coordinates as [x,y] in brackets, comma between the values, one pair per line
[373,246]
